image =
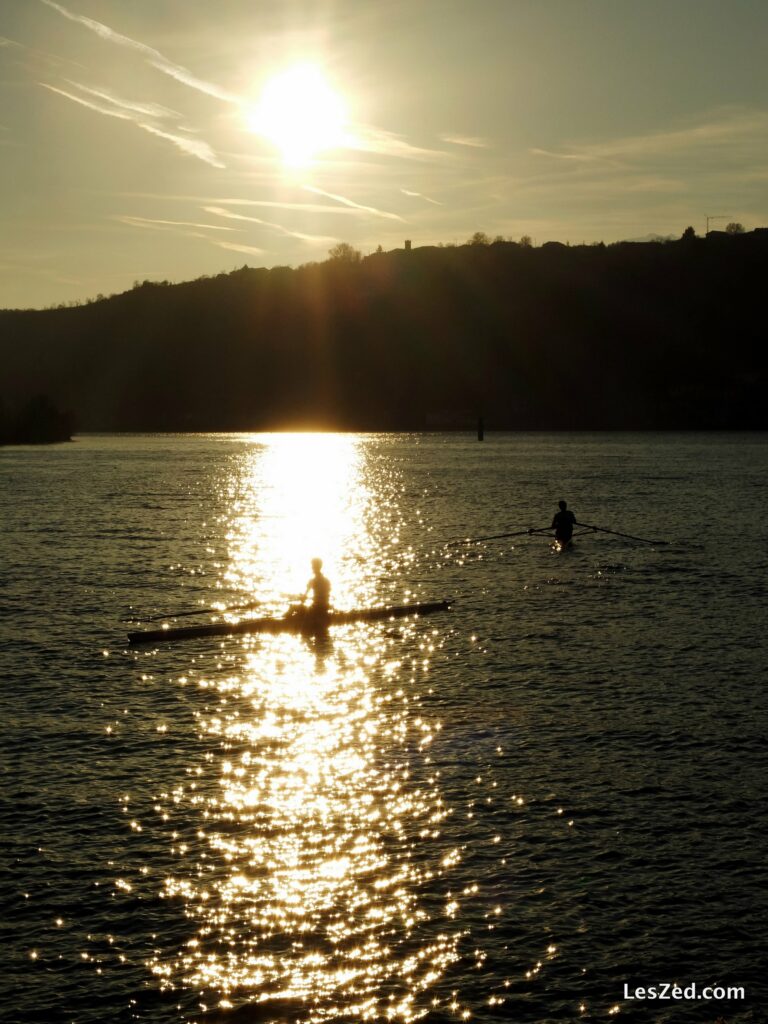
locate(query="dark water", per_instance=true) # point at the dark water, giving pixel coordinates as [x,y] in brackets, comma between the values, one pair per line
[507,812]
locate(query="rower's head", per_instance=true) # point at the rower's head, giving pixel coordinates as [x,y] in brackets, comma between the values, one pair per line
[563,505]
[317,564]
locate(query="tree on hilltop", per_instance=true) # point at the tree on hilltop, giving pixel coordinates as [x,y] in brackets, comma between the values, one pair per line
[343,252]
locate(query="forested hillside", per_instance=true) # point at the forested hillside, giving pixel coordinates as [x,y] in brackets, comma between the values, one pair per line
[633,335]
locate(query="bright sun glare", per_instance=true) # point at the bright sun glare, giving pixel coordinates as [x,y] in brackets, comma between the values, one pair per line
[300,113]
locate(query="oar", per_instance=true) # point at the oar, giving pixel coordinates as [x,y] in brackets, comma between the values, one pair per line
[498,536]
[629,536]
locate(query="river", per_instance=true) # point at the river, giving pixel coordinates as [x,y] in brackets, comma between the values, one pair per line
[527,808]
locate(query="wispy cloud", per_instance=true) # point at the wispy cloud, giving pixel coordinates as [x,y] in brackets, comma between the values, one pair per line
[574,157]
[609,185]
[420,195]
[190,229]
[667,173]
[721,130]
[621,186]
[465,140]
[126,110]
[31,58]
[151,222]
[153,57]
[276,204]
[249,250]
[193,147]
[220,212]
[350,203]
[98,107]
[132,106]
[384,143]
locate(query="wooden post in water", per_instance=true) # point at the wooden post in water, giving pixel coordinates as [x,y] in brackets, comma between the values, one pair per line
[480,428]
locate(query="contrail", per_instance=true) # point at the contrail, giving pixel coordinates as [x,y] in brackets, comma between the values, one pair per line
[154,57]
[354,205]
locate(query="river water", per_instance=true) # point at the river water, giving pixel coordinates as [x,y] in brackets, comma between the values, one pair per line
[522,809]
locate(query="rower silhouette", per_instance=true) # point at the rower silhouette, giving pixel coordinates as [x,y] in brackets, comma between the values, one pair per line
[563,524]
[320,588]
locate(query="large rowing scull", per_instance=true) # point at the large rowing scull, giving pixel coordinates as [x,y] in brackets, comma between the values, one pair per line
[306,621]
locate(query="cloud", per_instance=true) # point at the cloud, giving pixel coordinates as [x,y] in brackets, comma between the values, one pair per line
[655,179]
[189,229]
[98,107]
[363,138]
[219,212]
[623,186]
[193,147]
[30,57]
[357,206]
[152,56]
[126,110]
[420,195]
[249,250]
[576,157]
[181,226]
[132,106]
[465,140]
[150,222]
[376,140]
[276,204]
[722,130]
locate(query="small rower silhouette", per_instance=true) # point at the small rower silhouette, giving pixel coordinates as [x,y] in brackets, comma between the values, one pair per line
[563,524]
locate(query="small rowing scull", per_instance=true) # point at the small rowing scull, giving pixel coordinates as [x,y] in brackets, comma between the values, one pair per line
[306,621]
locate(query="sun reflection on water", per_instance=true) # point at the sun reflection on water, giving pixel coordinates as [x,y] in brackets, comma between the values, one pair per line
[296,497]
[305,862]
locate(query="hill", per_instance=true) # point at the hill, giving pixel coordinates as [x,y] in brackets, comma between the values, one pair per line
[655,335]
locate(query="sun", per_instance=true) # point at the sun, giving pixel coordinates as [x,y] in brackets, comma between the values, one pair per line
[301,114]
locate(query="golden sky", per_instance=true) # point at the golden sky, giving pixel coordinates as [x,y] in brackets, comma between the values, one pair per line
[171,139]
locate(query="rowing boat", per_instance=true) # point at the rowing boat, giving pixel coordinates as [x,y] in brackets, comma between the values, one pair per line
[308,622]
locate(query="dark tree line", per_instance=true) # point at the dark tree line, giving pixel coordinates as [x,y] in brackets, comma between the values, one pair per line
[656,335]
[37,421]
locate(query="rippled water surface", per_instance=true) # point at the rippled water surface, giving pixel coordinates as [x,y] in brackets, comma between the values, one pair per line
[522,809]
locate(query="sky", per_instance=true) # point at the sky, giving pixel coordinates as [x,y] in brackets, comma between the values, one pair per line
[170,139]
